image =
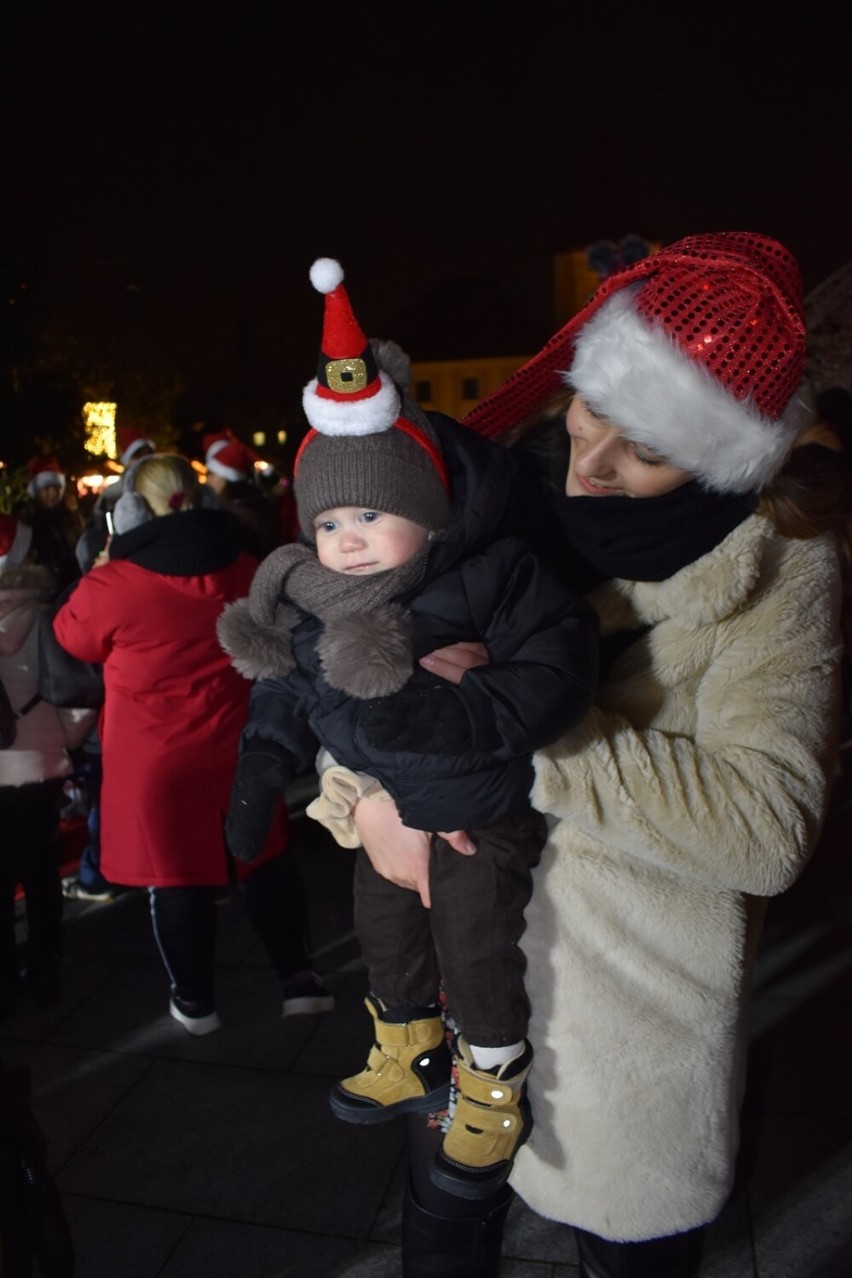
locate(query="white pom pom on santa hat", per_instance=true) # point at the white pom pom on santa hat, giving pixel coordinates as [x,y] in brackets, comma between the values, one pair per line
[326,274]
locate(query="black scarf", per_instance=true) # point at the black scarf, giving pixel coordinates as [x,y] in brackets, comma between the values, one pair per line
[190,543]
[650,538]
[634,538]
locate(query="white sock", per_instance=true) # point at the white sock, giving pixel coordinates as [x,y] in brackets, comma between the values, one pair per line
[493,1057]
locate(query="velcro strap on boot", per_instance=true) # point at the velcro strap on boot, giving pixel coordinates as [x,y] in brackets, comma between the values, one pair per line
[423,1033]
[487,1090]
[388,1066]
[480,1137]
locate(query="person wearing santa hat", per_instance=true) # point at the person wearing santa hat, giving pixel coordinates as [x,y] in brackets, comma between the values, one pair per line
[401,518]
[33,770]
[655,433]
[132,445]
[231,468]
[56,522]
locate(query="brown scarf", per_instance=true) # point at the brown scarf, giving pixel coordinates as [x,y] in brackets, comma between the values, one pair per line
[295,572]
[364,649]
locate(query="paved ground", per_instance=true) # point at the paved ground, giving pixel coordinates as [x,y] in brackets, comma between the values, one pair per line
[219,1157]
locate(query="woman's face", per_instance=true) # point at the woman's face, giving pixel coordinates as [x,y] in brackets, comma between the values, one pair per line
[605,463]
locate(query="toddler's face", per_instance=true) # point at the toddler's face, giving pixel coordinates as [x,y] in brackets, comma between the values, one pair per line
[357,541]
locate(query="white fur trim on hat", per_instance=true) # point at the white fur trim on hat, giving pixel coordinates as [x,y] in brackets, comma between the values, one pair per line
[46,479]
[132,449]
[635,376]
[356,417]
[219,468]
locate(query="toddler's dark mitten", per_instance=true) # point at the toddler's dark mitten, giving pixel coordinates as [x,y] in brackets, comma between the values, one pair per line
[262,773]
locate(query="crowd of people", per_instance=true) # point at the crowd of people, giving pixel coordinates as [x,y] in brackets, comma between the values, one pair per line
[574,675]
[182,689]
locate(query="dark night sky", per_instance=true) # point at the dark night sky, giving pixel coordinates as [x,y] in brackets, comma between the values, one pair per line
[176,168]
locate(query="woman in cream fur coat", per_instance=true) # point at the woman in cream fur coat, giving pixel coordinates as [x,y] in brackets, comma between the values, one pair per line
[695,788]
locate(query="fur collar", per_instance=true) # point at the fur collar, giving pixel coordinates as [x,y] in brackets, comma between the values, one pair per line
[704,592]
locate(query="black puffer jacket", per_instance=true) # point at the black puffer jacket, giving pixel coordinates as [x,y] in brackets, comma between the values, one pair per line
[452,756]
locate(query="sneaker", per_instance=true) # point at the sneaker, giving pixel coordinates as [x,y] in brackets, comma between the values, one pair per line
[193,1017]
[73,890]
[305,995]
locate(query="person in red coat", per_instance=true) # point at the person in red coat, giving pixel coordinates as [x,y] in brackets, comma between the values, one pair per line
[172,717]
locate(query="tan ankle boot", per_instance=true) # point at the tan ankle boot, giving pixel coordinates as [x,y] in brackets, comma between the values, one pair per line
[408,1070]
[492,1119]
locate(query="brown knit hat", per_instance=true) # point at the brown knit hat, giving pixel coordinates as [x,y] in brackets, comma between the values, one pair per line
[369,445]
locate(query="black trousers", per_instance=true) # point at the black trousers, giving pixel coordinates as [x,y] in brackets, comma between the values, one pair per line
[29,855]
[469,938]
[446,1236]
[185,925]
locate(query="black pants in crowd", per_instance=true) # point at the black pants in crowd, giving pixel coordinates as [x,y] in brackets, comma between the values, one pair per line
[185,926]
[469,938]
[29,855]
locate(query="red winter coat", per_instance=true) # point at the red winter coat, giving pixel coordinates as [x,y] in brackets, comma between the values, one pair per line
[174,704]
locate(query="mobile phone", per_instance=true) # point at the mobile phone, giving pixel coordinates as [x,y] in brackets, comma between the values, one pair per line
[109,523]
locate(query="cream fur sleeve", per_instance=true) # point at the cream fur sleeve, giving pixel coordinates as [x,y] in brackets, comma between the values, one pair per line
[340,790]
[727,781]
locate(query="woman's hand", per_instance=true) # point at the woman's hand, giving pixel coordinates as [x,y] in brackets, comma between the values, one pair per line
[397,852]
[453,662]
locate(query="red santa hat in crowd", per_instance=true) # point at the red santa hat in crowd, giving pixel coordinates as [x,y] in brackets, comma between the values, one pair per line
[131,442]
[43,471]
[15,540]
[696,352]
[228,457]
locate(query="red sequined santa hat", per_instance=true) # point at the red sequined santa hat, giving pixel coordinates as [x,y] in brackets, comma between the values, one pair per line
[15,540]
[131,442]
[228,457]
[42,472]
[370,445]
[696,352]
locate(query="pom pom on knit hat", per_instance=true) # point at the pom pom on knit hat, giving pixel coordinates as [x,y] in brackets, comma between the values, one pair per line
[369,445]
[15,540]
[696,352]
[44,472]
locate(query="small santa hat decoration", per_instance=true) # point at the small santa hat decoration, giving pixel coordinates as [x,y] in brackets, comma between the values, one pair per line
[131,442]
[228,457]
[42,472]
[696,352]
[369,444]
[347,374]
[15,540]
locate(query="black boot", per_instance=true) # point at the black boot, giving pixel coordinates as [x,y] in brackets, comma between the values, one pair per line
[675,1256]
[443,1247]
